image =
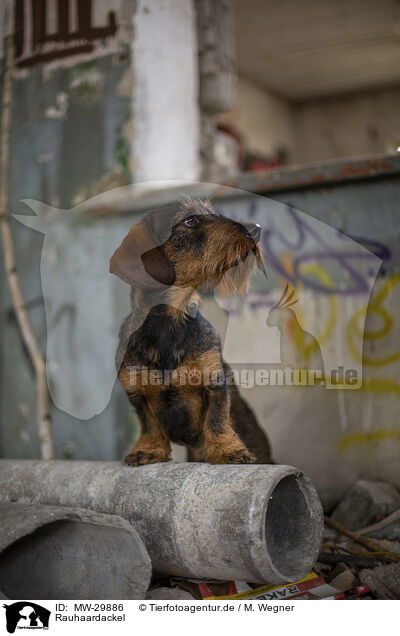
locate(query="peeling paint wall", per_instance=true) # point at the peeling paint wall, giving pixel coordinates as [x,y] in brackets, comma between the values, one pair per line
[72,114]
[70,139]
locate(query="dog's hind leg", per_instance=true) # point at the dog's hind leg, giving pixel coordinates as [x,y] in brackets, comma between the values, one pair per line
[221,444]
[245,424]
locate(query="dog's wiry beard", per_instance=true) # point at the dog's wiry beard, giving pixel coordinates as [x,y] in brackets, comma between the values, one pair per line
[259,259]
[236,279]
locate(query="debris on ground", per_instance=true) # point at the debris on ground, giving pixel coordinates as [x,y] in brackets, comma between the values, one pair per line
[365,503]
[388,528]
[344,578]
[361,545]
[384,581]
[312,587]
[163,593]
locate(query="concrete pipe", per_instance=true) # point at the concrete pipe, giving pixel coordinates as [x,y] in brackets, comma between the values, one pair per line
[53,552]
[256,523]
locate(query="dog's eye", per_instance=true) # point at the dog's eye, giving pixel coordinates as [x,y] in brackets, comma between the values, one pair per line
[191,221]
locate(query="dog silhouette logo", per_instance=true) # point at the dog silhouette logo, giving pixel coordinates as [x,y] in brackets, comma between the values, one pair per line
[26,615]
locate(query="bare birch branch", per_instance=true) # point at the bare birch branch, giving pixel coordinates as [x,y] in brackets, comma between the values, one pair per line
[42,392]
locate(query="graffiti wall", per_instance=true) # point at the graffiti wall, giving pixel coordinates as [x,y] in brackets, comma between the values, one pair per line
[345,319]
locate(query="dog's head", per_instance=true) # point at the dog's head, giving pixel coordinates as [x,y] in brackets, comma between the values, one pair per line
[190,246]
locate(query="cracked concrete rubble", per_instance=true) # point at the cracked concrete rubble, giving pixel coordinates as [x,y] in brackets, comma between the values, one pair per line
[371,512]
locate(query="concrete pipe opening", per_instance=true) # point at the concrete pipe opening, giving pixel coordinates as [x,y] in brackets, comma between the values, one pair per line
[291,534]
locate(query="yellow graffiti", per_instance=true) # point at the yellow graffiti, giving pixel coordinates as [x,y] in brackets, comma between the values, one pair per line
[375,307]
[367,438]
[381,385]
[299,335]
[353,330]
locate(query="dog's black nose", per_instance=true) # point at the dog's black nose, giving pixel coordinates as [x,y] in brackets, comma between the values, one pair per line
[253,231]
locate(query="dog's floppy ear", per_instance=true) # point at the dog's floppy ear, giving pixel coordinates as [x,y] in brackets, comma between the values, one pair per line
[141,261]
[158,266]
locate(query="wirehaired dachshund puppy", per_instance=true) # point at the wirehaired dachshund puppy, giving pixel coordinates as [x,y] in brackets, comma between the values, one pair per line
[169,357]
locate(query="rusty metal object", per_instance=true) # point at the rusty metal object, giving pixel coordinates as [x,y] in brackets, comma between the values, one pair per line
[137,198]
[319,174]
[258,523]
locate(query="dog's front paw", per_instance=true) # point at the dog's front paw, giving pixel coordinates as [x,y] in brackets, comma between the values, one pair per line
[232,456]
[140,458]
[242,456]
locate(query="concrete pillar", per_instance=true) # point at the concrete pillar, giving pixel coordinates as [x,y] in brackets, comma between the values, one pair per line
[165,94]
